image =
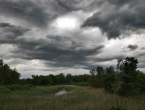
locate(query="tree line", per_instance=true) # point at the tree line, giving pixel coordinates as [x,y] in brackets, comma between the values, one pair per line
[126,79]
[10,76]
[59,79]
[123,80]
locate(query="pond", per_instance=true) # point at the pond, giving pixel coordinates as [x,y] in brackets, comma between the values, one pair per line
[60,92]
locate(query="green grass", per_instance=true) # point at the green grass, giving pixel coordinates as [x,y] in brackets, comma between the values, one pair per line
[77,98]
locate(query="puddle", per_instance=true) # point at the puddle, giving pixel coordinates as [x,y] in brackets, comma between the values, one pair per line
[60,92]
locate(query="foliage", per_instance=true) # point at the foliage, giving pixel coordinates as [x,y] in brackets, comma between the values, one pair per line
[82,83]
[3,89]
[8,75]
[18,87]
[109,79]
[96,77]
[141,81]
[59,79]
[126,80]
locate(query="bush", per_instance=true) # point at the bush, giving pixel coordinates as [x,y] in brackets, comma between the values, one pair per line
[4,90]
[82,84]
[13,87]
[19,87]
[25,87]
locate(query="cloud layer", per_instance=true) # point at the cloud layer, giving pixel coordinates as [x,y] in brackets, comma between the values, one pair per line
[32,40]
[118,17]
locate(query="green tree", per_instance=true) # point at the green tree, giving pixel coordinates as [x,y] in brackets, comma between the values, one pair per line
[1,62]
[127,78]
[99,76]
[109,79]
[8,75]
[69,79]
[60,78]
[14,76]
[93,78]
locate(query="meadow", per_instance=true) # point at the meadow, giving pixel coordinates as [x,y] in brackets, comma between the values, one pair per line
[76,98]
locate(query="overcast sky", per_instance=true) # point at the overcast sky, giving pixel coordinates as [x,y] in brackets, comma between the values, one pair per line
[42,37]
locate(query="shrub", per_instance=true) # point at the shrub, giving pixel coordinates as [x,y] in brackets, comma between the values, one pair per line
[82,83]
[13,87]
[19,87]
[25,87]
[4,90]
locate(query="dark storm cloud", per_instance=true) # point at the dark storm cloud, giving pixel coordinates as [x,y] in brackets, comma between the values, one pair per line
[3,25]
[9,33]
[58,38]
[132,47]
[64,6]
[26,10]
[119,2]
[74,5]
[120,17]
[68,5]
[14,30]
[44,49]
[55,50]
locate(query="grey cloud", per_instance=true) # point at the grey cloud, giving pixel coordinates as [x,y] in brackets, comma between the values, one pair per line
[119,2]
[68,5]
[109,58]
[58,38]
[132,47]
[74,5]
[64,6]
[143,48]
[44,49]
[16,30]
[40,13]
[26,10]
[56,50]
[117,20]
[3,25]
[10,33]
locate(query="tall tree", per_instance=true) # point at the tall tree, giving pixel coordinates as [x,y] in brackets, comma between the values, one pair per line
[8,75]
[99,76]
[128,76]
[109,79]
[1,62]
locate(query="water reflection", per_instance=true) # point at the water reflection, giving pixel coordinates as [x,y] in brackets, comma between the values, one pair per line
[60,92]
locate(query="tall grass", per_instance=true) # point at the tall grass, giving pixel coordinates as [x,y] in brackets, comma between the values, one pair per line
[77,98]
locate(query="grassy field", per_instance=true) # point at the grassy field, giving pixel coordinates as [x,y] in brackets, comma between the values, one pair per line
[77,98]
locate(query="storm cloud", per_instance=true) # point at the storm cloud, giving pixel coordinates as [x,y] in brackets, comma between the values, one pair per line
[55,54]
[132,47]
[26,10]
[9,33]
[119,18]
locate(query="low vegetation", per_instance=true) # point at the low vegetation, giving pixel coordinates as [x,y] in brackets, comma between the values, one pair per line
[76,98]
